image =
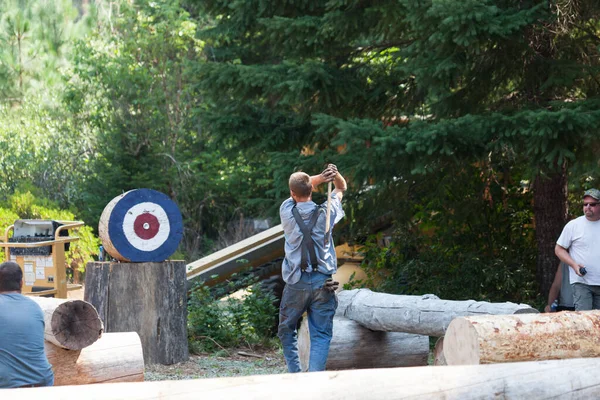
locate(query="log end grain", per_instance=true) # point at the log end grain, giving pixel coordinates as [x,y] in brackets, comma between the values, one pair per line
[76,324]
[461,343]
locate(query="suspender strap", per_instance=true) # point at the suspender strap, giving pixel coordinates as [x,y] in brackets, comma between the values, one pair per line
[308,244]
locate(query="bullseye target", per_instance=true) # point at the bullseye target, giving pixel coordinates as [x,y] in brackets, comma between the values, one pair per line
[141,225]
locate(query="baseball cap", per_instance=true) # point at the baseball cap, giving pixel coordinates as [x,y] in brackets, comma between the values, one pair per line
[595,193]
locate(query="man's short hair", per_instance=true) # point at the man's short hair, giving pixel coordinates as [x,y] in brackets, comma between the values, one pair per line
[10,276]
[300,184]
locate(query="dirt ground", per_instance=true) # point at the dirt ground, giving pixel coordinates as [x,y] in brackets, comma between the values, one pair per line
[232,362]
[226,365]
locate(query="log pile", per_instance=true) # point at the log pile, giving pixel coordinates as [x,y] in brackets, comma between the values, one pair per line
[78,351]
[378,330]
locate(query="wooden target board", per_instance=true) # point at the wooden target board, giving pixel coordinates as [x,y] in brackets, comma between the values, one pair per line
[141,225]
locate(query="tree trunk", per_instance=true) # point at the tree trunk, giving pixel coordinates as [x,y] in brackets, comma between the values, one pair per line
[147,298]
[507,338]
[116,357]
[423,315]
[356,347]
[576,379]
[550,211]
[71,324]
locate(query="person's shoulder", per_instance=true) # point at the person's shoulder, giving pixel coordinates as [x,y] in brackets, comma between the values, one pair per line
[287,204]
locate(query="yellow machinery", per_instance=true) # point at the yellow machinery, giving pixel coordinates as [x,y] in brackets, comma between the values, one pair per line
[39,246]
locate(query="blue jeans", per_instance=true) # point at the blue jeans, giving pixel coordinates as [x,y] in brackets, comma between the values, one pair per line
[320,304]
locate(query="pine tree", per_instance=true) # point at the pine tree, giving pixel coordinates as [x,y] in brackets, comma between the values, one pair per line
[394,88]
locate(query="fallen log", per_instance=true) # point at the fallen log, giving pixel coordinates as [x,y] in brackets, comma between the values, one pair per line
[116,357]
[508,338]
[70,324]
[423,315]
[354,347]
[574,378]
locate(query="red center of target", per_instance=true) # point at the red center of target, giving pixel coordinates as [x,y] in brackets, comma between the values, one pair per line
[146,226]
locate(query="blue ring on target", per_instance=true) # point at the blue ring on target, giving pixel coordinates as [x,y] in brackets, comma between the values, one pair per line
[119,239]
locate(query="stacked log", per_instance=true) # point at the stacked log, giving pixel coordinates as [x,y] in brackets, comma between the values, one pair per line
[423,315]
[77,350]
[115,357]
[70,324]
[574,378]
[508,338]
[355,347]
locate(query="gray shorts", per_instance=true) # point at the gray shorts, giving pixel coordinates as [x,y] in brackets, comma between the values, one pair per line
[586,297]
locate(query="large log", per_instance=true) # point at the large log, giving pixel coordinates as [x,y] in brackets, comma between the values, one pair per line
[147,298]
[354,346]
[574,378]
[70,324]
[423,315]
[116,357]
[507,338]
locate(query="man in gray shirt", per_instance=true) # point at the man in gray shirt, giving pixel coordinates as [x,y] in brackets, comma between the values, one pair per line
[23,362]
[309,262]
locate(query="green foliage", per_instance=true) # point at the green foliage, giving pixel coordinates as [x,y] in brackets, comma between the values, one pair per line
[132,88]
[35,44]
[469,236]
[215,322]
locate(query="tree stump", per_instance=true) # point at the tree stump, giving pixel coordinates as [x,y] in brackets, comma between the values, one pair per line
[147,298]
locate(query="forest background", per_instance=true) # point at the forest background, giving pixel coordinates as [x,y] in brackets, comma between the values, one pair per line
[467,130]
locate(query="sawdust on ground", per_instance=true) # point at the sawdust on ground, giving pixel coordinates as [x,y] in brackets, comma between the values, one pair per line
[242,362]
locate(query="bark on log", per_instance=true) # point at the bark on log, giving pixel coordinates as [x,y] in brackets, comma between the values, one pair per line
[574,378]
[116,357]
[507,338]
[147,298]
[356,347]
[70,324]
[423,315]
[438,353]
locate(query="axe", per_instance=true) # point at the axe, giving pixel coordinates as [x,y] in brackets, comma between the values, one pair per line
[328,215]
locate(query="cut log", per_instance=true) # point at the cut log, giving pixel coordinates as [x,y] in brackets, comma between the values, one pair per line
[507,338]
[70,324]
[147,298]
[438,352]
[116,357]
[423,315]
[575,379]
[355,347]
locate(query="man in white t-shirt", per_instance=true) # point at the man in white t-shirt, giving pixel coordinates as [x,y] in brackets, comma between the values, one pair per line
[579,247]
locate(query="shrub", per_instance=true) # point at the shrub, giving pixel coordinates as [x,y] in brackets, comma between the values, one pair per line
[215,322]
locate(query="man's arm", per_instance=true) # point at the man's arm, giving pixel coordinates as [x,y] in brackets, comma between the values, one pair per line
[555,288]
[564,256]
[328,175]
[340,185]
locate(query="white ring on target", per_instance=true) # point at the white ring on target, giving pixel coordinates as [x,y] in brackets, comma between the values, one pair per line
[163,231]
